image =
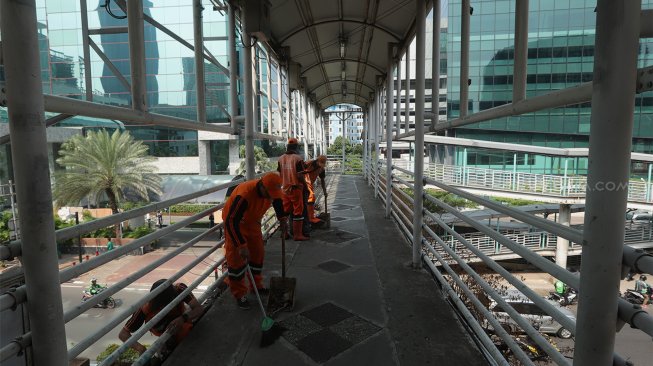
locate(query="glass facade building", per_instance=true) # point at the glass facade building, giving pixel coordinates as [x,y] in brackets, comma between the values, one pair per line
[560,54]
[170,71]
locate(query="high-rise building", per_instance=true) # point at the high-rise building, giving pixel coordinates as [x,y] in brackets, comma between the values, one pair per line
[352,116]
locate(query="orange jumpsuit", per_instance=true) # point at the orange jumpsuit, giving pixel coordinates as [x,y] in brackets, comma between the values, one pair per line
[242,222]
[290,167]
[312,172]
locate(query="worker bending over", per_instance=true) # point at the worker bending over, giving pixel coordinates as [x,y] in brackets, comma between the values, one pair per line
[314,169]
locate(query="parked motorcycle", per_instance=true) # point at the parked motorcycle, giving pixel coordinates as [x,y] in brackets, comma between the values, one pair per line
[571,298]
[108,303]
[633,297]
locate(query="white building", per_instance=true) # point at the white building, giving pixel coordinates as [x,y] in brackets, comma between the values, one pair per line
[353,123]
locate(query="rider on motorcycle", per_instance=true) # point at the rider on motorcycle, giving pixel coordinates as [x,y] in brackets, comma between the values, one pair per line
[95,288]
[562,290]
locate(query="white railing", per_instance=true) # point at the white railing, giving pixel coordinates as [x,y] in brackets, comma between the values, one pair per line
[471,291]
[528,183]
[9,301]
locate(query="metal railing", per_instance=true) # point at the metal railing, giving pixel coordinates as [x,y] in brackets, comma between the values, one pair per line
[353,164]
[521,182]
[8,301]
[439,252]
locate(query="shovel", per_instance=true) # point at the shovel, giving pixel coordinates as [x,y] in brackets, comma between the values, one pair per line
[282,289]
[327,215]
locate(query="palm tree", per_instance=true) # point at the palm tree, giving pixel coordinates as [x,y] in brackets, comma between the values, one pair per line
[104,165]
[262,162]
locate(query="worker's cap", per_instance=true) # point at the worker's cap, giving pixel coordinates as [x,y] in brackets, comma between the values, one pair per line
[322,160]
[292,141]
[272,183]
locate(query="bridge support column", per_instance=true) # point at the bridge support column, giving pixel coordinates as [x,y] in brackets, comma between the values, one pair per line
[613,90]
[562,245]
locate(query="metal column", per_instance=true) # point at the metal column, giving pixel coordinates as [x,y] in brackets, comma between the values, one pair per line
[305,124]
[290,111]
[366,129]
[521,51]
[464,57]
[313,108]
[420,30]
[398,105]
[407,89]
[562,244]
[249,103]
[280,101]
[136,37]
[233,66]
[198,37]
[344,140]
[435,65]
[24,93]
[389,102]
[615,76]
[88,81]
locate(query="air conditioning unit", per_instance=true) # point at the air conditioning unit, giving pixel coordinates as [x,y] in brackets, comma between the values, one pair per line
[257,19]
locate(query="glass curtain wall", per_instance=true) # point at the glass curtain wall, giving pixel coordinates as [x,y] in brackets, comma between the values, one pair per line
[560,54]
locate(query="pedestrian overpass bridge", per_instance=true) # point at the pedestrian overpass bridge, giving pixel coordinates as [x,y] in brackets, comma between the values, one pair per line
[362,290]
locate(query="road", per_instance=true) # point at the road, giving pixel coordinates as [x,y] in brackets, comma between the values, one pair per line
[95,318]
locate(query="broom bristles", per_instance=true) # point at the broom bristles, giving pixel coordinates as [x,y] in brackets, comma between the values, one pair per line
[271,335]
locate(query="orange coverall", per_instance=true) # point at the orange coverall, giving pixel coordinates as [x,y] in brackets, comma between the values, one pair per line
[242,222]
[290,167]
[313,170]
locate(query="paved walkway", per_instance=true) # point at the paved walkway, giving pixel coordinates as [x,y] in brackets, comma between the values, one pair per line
[358,302]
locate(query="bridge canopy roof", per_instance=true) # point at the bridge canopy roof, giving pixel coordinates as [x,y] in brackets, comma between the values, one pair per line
[341,46]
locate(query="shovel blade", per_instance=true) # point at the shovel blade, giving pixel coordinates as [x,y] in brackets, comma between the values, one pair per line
[282,294]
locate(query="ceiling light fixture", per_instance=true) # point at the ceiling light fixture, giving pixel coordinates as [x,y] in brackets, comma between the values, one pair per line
[343,45]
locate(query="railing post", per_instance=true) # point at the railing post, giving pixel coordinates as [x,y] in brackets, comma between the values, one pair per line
[514,171]
[24,93]
[649,186]
[615,76]
[389,102]
[233,65]
[464,57]
[250,163]
[420,30]
[198,38]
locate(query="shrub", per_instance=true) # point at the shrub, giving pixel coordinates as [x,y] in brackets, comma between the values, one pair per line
[138,232]
[127,357]
[189,208]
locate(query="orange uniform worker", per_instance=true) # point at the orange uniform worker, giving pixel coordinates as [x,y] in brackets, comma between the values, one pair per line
[179,319]
[314,169]
[243,238]
[291,167]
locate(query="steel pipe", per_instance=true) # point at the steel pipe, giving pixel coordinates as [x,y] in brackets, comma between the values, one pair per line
[81,108]
[389,107]
[407,92]
[159,316]
[435,64]
[635,316]
[470,319]
[250,163]
[521,51]
[540,262]
[550,226]
[135,26]
[26,116]
[615,68]
[15,346]
[88,83]
[198,39]
[151,351]
[519,285]
[420,43]
[510,342]
[638,260]
[13,298]
[98,298]
[464,57]
[113,322]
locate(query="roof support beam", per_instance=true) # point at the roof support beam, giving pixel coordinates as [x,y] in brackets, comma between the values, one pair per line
[338,59]
[396,37]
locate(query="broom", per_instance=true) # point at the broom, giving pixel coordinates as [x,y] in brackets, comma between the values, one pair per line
[270,331]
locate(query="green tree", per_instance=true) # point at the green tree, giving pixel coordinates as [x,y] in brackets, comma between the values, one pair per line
[350,148]
[262,162]
[100,165]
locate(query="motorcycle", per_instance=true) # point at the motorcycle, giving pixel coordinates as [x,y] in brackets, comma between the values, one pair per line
[108,303]
[571,298]
[633,297]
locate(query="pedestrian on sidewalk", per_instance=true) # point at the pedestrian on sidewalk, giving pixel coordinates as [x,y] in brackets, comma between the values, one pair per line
[291,168]
[179,320]
[241,215]
[109,245]
[159,218]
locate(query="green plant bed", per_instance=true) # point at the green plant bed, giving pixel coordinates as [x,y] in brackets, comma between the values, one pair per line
[126,358]
[188,209]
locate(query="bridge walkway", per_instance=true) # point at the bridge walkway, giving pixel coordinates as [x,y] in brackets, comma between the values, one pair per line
[358,301]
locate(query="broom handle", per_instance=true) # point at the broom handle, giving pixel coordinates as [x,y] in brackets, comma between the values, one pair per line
[258,297]
[284,229]
[326,210]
